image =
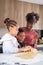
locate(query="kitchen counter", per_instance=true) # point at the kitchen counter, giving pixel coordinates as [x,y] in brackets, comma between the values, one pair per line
[11,59]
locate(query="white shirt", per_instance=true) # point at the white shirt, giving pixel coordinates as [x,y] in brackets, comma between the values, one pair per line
[10,44]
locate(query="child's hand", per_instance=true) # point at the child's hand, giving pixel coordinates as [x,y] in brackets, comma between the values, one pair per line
[26,49]
[34,41]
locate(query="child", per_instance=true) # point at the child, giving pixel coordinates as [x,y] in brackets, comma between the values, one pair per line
[21,37]
[10,44]
[31,37]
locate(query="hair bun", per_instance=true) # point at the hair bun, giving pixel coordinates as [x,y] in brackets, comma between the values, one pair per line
[6,20]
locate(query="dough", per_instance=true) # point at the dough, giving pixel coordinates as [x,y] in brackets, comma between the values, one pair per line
[28,55]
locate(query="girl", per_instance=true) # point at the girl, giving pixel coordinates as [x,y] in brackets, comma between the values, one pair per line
[31,37]
[10,44]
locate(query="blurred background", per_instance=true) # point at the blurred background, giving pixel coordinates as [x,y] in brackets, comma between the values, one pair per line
[17,10]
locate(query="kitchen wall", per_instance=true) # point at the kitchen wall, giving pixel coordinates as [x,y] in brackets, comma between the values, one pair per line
[17,10]
[3,31]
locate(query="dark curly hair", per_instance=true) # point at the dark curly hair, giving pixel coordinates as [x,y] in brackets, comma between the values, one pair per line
[32,17]
[20,30]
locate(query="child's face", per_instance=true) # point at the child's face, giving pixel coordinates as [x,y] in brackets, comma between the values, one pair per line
[21,36]
[29,25]
[14,30]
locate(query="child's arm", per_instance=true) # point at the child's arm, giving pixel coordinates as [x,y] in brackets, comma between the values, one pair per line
[24,49]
